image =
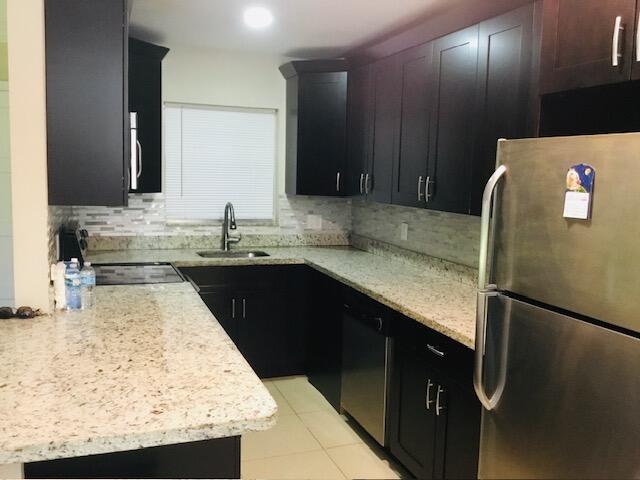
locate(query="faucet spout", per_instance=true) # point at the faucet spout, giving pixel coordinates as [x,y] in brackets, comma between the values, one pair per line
[229,223]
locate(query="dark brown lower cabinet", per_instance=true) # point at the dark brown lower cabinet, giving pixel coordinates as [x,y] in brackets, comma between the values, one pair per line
[217,458]
[434,417]
[264,311]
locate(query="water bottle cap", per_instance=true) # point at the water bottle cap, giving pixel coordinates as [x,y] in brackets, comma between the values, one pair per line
[74,260]
[87,264]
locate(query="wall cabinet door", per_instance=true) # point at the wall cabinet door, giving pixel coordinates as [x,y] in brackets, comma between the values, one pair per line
[87,106]
[506,91]
[412,419]
[386,128]
[360,130]
[578,47]
[145,98]
[322,134]
[452,122]
[410,171]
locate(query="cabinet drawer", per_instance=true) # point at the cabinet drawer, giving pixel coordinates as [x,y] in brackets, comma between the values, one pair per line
[443,353]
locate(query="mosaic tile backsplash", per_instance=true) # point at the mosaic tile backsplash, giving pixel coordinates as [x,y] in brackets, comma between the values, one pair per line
[448,236]
[143,225]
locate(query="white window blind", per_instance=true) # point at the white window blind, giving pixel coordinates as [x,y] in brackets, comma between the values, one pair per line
[219,155]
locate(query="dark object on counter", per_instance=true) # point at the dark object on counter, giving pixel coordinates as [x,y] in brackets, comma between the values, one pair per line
[72,242]
[22,312]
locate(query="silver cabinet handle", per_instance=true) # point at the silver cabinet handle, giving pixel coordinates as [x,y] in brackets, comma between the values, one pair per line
[615,48]
[233,308]
[361,183]
[435,351]
[420,182]
[366,184]
[428,401]
[638,40]
[439,407]
[244,308]
[139,158]
[338,182]
[427,189]
[133,151]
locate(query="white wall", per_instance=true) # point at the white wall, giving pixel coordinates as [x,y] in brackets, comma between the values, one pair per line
[233,79]
[27,113]
[6,239]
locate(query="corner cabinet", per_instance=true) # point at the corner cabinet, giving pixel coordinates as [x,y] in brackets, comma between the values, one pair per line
[316,147]
[588,43]
[87,102]
[145,99]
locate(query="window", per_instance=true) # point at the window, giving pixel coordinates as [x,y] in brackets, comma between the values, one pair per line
[216,155]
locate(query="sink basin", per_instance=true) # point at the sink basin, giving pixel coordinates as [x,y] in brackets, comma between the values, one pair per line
[232,254]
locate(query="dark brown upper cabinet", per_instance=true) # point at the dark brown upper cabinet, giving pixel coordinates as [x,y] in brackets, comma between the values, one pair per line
[455,62]
[507,91]
[87,104]
[360,130]
[587,43]
[145,99]
[316,127]
[387,91]
[410,172]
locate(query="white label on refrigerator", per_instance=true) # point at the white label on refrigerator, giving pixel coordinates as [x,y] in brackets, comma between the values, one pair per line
[579,192]
[576,205]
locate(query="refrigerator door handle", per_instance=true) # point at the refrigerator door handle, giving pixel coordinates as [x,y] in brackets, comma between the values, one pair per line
[485,227]
[485,291]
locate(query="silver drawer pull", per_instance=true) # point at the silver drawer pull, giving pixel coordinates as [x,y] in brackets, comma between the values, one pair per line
[361,183]
[366,184]
[420,182]
[338,182]
[428,401]
[435,351]
[427,189]
[439,407]
[233,308]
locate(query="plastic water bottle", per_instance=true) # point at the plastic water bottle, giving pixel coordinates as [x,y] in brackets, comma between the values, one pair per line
[72,285]
[87,284]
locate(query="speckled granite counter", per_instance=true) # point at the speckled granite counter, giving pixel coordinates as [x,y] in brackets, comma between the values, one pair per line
[435,294]
[148,366]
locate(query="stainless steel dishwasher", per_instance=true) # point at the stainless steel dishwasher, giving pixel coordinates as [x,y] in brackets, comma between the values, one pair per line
[366,355]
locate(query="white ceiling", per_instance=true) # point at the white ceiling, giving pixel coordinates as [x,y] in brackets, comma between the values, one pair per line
[302,28]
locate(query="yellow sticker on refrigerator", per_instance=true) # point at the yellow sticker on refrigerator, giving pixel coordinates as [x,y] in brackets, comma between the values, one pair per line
[579,193]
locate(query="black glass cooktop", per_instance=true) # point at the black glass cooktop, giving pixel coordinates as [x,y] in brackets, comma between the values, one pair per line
[136,273]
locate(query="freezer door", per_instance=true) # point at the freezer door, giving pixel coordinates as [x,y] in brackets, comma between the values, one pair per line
[590,267]
[569,405]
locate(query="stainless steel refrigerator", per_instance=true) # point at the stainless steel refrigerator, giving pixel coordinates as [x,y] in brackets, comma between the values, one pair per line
[557,342]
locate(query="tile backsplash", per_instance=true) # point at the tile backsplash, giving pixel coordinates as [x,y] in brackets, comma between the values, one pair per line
[448,236]
[143,224]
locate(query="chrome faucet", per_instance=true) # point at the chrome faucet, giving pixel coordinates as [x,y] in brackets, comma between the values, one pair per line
[229,223]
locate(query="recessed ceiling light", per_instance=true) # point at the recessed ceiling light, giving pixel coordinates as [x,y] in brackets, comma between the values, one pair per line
[257,17]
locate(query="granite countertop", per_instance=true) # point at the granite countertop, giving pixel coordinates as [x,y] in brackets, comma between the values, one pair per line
[149,365]
[433,294]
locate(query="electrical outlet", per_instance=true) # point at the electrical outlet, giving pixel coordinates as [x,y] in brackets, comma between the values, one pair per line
[404,232]
[314,222]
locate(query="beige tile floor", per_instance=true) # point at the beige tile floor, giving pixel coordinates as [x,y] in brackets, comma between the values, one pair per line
[311,441]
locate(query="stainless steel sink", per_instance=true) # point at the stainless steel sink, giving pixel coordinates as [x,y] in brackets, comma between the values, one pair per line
[232,254]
